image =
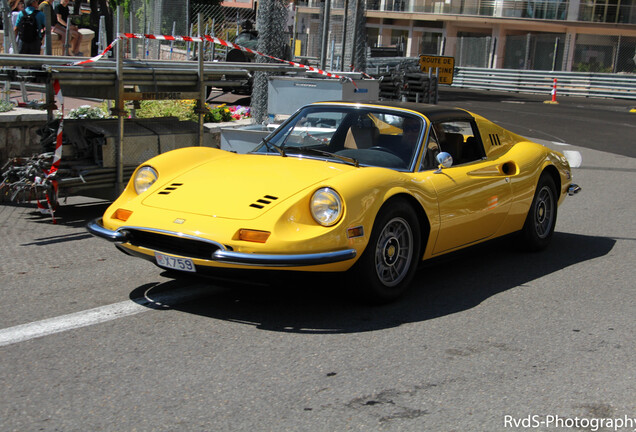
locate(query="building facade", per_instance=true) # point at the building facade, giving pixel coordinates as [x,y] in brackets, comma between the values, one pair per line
[568,35]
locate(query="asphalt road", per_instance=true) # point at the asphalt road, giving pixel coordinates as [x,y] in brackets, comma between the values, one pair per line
[600,124]
[93,340]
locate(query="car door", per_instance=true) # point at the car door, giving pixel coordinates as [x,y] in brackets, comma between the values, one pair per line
[474,194]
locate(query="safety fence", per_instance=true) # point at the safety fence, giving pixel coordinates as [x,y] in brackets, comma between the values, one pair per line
[173,17]
[304,32]
[548,51]
[621,86]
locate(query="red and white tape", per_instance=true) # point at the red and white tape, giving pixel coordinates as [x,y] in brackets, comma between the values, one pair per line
[57,157]
[207,38]
[97,57]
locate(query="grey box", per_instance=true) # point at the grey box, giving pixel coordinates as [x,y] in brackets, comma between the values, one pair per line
[287,94]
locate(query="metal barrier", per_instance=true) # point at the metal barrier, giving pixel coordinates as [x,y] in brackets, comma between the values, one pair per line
[569,83]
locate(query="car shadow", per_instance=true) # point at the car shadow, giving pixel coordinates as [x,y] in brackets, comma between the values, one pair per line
[312,303]
[71,215]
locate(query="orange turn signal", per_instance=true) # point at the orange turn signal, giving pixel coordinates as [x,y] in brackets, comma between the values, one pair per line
[253,235]
[122,214]
[355,232]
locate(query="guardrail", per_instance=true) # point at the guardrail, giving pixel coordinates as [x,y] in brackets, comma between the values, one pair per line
[568,83]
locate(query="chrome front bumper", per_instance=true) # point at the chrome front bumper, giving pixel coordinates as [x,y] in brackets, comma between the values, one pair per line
[96,228]
[574,189]
[222,255]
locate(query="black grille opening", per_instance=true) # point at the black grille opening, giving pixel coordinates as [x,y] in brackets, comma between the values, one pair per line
[168,189]
[262,202]
[171,244]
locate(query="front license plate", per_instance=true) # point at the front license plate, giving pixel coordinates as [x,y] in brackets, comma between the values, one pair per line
[183,264]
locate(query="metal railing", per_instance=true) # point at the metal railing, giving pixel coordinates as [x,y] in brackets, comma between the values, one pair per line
[568,83]
[620,11]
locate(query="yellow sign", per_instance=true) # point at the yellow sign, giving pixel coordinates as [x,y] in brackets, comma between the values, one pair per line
[297,47]
[446,67]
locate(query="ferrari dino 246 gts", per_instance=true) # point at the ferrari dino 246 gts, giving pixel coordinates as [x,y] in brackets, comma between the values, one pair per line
[366,188]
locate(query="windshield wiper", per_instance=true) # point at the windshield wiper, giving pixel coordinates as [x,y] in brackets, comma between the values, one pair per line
[269,145]
[346,159]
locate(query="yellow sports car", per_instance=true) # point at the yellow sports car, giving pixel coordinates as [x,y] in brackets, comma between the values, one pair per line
[367,188]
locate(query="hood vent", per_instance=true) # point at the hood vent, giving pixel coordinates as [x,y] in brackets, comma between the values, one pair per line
[168,189]
[262,202]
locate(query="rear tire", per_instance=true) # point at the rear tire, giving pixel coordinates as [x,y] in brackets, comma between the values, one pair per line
[390,260]
[539,226]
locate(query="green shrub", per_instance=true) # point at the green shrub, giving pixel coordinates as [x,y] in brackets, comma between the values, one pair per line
[87,112]
[5,106]
[182,109]
[186,110]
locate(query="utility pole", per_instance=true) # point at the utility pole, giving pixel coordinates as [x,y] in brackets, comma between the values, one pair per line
[325,33]
[9,42]
[9,36]
[345,19]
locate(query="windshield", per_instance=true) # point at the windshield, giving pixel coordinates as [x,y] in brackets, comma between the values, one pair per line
[368,136]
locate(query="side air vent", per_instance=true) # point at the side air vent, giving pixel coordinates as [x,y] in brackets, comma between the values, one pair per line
[262,202]
[168,189]
[494,139]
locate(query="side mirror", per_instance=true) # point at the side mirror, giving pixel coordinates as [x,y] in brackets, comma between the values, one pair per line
[445,160]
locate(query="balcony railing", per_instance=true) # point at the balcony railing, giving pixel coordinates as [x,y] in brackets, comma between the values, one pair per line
[561,10]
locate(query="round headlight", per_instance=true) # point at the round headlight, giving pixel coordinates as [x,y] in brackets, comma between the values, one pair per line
[144,178]
[326,206]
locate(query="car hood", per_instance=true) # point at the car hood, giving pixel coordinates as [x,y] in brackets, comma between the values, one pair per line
[241,187]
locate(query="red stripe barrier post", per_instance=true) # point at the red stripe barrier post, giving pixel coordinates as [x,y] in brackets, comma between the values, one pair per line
[554,93]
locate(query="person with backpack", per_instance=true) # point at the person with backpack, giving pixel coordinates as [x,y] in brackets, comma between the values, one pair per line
[29,27]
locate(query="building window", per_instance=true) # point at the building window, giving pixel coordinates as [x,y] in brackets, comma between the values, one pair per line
[547,9]
[430,43]
[373,36]
[608,11]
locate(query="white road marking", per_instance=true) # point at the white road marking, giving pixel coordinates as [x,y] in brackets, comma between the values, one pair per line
[24,332]
[574,157]
[72,321]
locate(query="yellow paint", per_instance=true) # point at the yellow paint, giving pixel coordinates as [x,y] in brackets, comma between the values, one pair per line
[215,194]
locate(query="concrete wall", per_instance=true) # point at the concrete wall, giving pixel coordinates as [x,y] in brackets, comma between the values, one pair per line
[56,42]
[19,138]
[18,133]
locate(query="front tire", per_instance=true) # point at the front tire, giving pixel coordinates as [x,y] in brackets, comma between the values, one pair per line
[389,261]
[539,226]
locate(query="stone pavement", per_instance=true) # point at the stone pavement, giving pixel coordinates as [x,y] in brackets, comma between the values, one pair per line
[29,239]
